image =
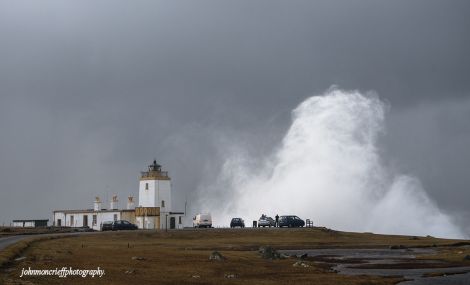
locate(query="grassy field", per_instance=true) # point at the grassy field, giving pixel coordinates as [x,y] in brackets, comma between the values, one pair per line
[9,231]
[182,257]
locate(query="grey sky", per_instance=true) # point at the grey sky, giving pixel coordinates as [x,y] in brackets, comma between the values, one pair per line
[92,91]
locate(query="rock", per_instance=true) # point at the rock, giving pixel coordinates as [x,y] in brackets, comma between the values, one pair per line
[268,252]
[20,258]
[130,271]
[215,255]
[467,257]
[303,256]
[230,276]
[300,264]
[328,230]
[196,276]
[138,258]
[46,258]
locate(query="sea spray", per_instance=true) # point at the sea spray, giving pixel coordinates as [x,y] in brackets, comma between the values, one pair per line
[328,168]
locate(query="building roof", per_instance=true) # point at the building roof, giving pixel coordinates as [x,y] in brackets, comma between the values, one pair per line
[93,211]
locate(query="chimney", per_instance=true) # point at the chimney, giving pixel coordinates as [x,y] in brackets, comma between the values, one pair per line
[114,203]
[130,203]
[97,204]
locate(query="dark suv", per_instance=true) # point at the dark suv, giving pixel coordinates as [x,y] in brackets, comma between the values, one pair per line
[237,222]
[123,225]
[291,221]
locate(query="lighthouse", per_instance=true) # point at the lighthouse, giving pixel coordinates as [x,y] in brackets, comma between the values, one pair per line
[155,192]
[154,211]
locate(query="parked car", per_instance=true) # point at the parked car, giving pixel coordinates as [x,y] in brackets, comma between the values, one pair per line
[266,221]
[123,225]
[202,221]
[83,229]
[107,226]
[291,221]
[237,222]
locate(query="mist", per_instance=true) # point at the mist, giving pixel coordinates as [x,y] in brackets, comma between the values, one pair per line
[328,168]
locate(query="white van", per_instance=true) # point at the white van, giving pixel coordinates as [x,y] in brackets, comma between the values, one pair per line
[202,221]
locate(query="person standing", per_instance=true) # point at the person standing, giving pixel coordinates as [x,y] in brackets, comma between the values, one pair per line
[277,220]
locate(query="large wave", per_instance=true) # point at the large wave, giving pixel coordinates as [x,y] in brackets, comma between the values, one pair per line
[328,168]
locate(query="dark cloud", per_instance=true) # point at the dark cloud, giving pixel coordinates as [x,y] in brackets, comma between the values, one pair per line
[91,91]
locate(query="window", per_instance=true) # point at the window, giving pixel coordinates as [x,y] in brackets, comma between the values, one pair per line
[146,186]
[163,203]
[94,220]
[115,217]
[179,220]
[71,221]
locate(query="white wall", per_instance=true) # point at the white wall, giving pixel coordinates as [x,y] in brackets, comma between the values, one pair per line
[59,216]
[158,191]
[101,217]
[146,222]
[147,196]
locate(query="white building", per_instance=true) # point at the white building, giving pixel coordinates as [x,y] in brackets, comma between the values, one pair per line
[154,210]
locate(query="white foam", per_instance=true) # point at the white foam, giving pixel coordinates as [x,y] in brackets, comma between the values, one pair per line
[328,169]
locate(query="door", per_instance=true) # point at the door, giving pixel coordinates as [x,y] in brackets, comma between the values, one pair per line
[59,222]
[172,222]
[85,221]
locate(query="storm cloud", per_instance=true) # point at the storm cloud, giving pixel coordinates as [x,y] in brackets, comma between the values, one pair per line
[91,92]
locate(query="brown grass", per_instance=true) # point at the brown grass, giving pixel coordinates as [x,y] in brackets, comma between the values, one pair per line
[177,257]
[10,252]
[10,231]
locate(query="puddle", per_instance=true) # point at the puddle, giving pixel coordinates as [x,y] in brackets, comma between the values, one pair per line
[457,279]
[389,262]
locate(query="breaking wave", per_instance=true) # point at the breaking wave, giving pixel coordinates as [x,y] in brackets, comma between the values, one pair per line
[328,168]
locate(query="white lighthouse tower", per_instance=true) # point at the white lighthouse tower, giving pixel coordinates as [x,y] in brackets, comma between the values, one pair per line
[155,191]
